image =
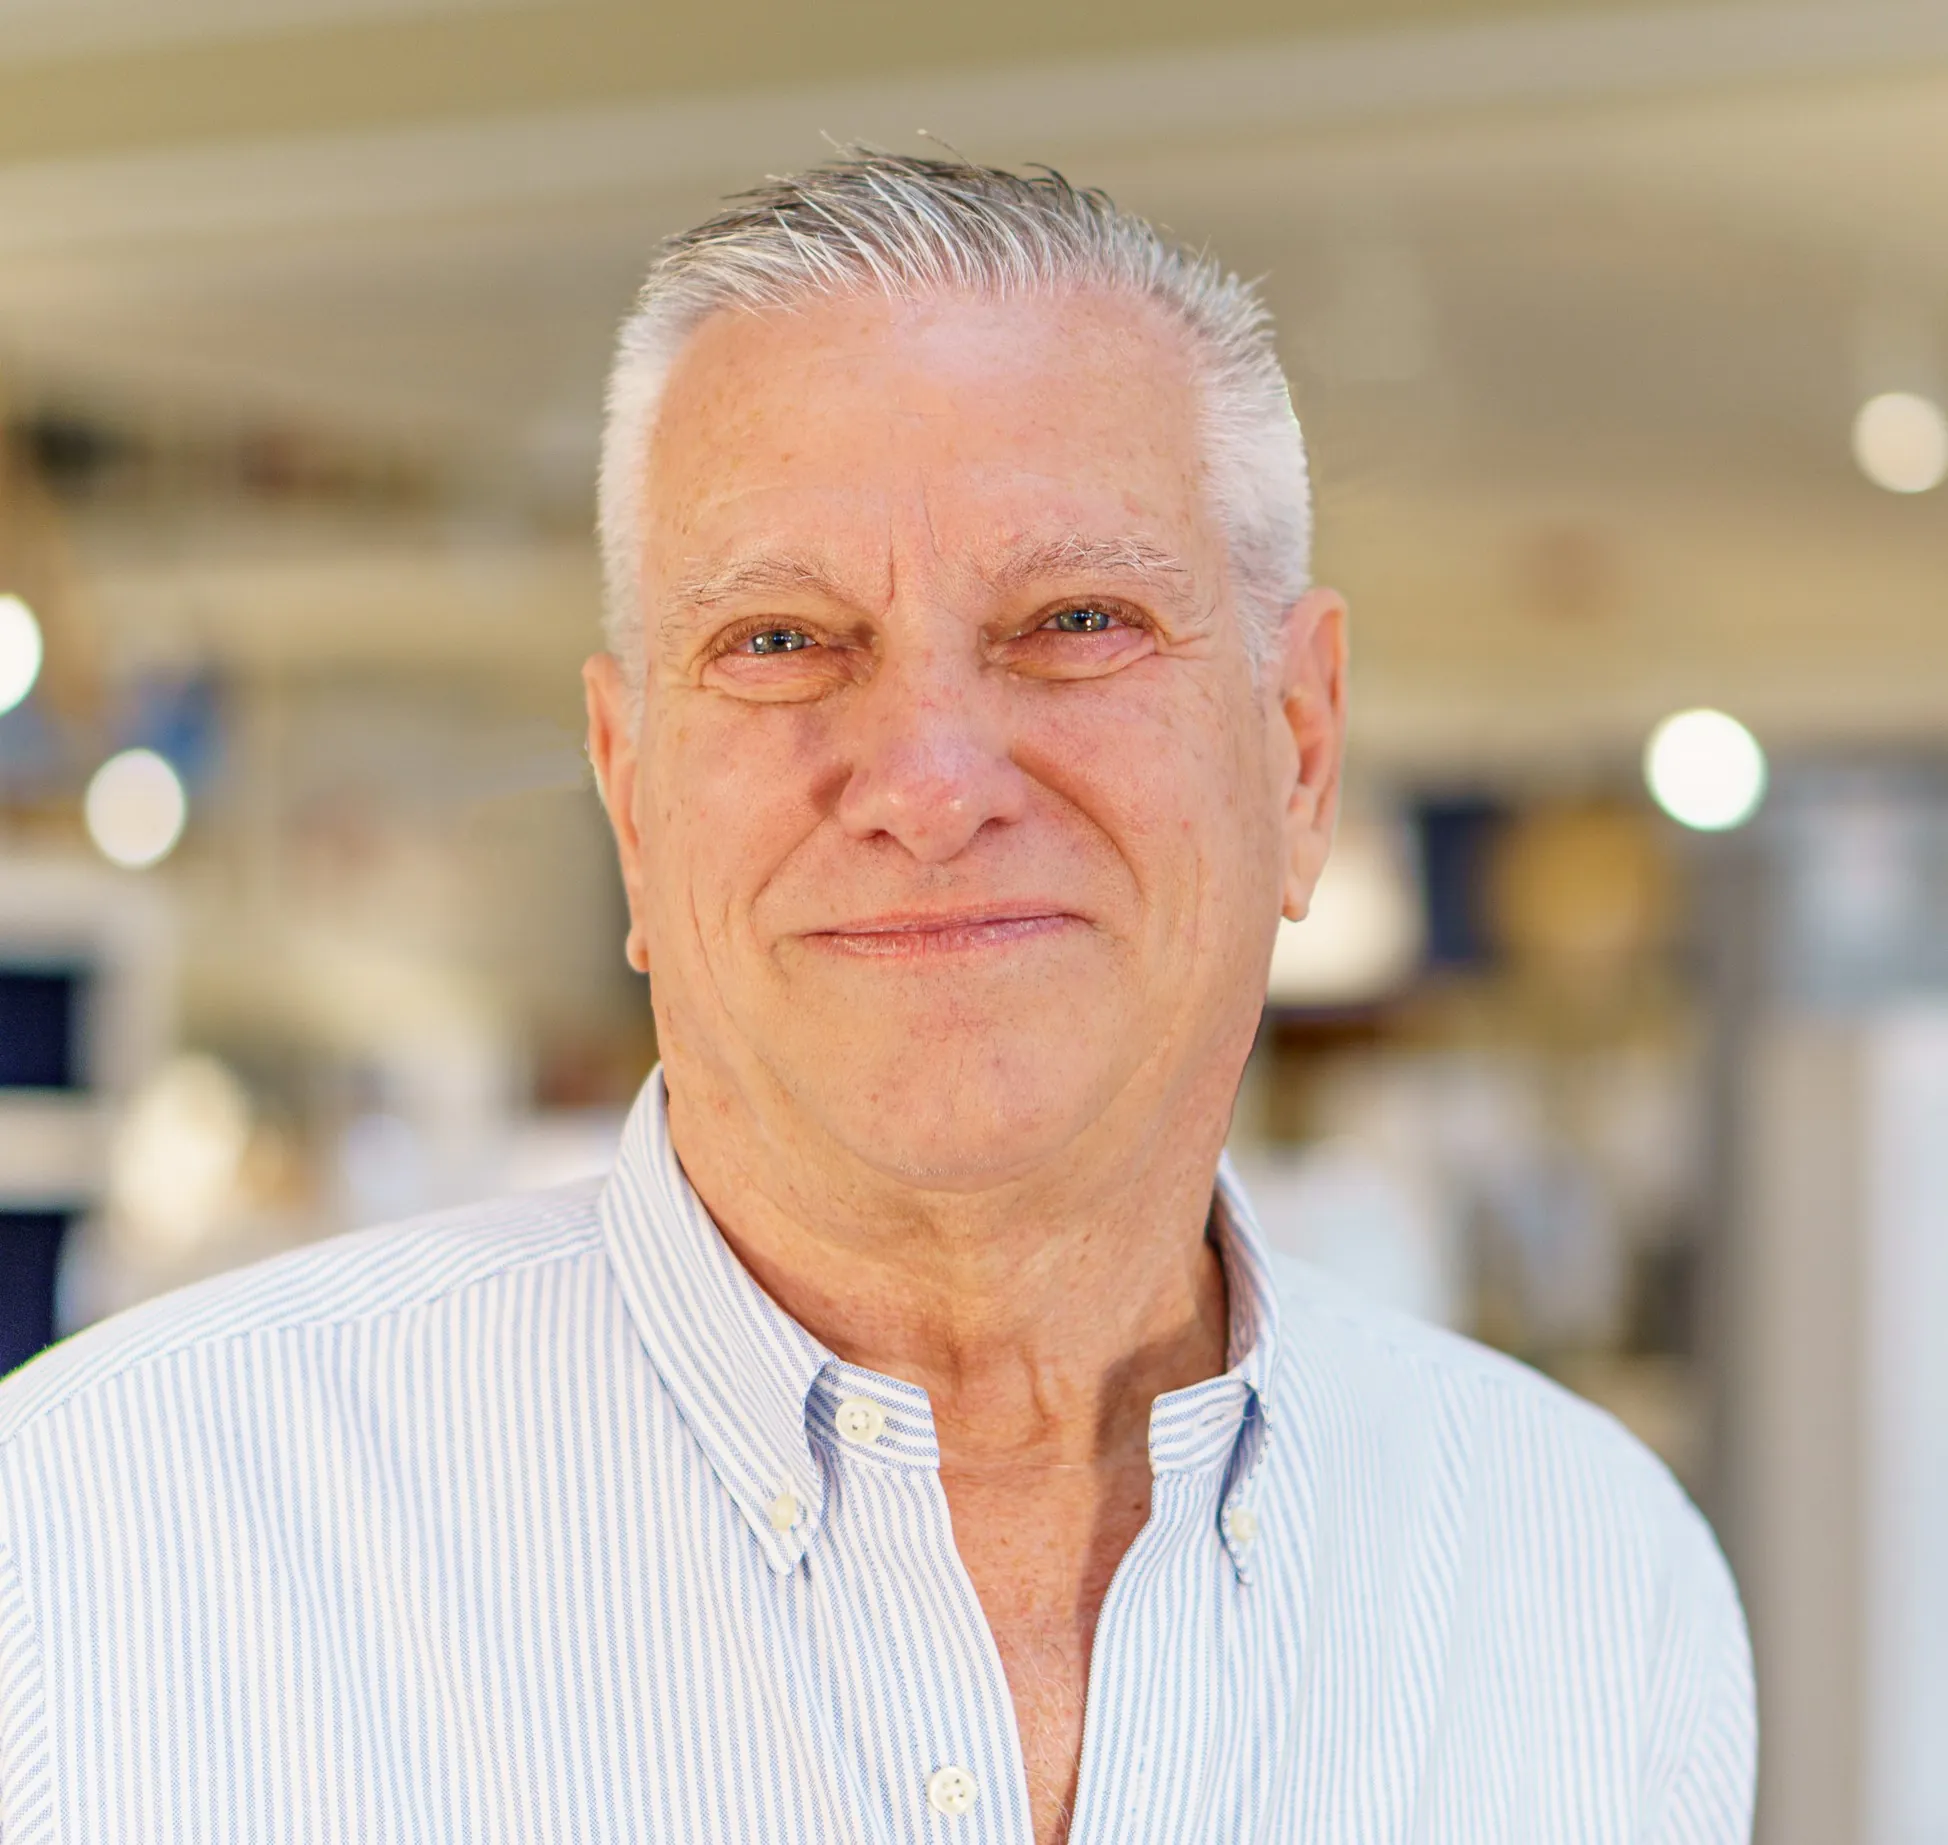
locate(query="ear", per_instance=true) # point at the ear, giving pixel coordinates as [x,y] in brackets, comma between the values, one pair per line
[1312,702]
[614,753]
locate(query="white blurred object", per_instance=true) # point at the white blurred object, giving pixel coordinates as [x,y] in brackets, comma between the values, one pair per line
[20,651]
[1645,1134]
[1380,1228]
[1900,440]
[1902,1230]
[555,1149]
[176,1158]
[1364,935]
[136,807]
[1566,1236]
[384,1164]
[1705,770]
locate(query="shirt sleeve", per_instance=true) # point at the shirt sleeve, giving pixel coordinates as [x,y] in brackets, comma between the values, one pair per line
[1701,1732]
[26,1786]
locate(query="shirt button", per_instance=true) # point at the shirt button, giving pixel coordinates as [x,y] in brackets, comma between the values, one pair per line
[951,1791]
[782,1512]
[860,1420]
[1242,1523]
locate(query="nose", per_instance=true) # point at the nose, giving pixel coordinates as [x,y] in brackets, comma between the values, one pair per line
[929,764]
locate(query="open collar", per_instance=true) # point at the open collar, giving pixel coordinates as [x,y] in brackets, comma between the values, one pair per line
[743,1373]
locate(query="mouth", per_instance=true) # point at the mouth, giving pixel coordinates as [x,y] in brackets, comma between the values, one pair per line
[914,935]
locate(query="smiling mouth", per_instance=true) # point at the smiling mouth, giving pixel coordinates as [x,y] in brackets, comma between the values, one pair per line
[915,937]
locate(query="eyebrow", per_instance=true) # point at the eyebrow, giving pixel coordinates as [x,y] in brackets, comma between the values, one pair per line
[1131,557]
[1073,555]
[754,576]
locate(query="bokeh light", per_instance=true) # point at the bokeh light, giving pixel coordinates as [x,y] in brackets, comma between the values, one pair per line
[136,808]
[1900,440]
[177,1157]
[20,651]
[1705,770]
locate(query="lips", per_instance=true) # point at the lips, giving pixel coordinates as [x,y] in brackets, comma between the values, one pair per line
[910,934]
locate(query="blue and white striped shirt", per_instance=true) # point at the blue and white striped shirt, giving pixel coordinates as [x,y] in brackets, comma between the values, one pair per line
[539,1521]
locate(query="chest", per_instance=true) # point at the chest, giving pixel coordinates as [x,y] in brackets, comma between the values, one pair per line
[344,1638]
[1041,1546]
[560,1653]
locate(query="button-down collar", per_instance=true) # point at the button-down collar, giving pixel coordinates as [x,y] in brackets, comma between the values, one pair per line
[761,1396]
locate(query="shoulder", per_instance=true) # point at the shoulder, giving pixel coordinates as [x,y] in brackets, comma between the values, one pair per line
[1515,1451]
[1562,1586]
[366,1276]
[1404,1371]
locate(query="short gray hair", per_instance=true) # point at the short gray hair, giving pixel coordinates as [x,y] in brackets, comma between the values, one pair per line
[911,227]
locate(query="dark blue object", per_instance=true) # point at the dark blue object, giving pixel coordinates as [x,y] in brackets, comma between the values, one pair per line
[40,1028]
[30,1256]
[1456,838]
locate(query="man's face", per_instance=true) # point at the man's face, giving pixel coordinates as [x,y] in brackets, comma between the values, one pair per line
[955,825]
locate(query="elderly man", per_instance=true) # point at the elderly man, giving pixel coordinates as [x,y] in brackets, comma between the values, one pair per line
[911,1439]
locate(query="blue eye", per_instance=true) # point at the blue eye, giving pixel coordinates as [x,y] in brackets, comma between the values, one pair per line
[779,640]
[1081,621]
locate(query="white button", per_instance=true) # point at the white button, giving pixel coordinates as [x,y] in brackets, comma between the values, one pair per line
[782,1512]
[1242,1522]
[951,1791]
[860,1420]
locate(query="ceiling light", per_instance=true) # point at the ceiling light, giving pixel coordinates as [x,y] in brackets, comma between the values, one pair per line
[1705,770]
[20,651]
[1900,440]
[136,808]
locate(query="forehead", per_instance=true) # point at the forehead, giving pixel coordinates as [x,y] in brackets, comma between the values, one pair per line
[975,423]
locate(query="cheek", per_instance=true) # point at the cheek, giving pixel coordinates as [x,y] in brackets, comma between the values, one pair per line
[731,789]
[1162,777]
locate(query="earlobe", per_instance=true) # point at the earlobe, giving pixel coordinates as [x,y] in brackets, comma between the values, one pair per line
[1305,862]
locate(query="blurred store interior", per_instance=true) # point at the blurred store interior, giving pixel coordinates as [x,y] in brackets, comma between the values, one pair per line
[1620,332]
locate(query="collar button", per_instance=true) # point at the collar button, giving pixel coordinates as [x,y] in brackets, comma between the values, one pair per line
[860,1421]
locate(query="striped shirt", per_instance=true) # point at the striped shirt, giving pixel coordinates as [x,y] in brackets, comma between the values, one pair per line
[539,1521]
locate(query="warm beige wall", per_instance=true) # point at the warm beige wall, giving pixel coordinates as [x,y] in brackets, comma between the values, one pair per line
[381,73]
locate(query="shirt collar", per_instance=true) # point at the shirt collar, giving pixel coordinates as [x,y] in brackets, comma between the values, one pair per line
[743,1373]
[738,1366]
[1249,1284]
[1243,1396]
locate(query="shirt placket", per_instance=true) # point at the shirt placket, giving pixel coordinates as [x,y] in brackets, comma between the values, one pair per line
[1177,1641]
[891,1637]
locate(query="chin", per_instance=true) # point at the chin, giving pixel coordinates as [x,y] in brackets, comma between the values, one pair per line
[950,1118]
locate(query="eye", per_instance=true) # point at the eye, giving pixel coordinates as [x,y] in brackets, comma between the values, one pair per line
[1081,621]
[776,640]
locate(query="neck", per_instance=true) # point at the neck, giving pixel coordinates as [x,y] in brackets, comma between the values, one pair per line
[1042,1316]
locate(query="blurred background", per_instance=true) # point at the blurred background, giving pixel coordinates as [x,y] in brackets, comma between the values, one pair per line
[1620,1034]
